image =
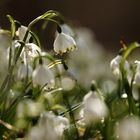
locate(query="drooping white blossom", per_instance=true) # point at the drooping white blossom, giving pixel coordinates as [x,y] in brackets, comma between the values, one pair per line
[94,108]
[115,66]
[64,43]
[137,75]
[32,49]
[21,33]
[5,39]
[24,71]
[43,76]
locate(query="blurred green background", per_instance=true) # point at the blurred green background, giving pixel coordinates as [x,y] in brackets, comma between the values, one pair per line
[110,20]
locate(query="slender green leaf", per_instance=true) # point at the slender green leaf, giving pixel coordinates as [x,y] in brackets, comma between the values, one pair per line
[13,26]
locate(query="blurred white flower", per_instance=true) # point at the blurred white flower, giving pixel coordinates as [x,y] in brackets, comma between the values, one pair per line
[33,109]
[5,39]
[89,58]
[115,66]
[64,43]
[67,29]
[21,33]
[35,133]
[42,76]
[67,83]
[94,109]
[29,108]
[128,129]
[50,127]
[24,71]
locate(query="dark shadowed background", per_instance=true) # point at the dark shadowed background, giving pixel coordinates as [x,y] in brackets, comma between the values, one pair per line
[111,20]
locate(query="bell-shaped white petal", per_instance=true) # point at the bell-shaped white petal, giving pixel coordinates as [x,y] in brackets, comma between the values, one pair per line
[32,49]
[21,33]
[128,129]
[5,39]
[115,66]
[24,71]
[64,43]
[137,75]
[94,109]
[42,76]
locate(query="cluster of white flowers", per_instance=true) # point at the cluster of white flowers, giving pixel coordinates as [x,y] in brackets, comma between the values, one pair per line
[39,88]
[41,75]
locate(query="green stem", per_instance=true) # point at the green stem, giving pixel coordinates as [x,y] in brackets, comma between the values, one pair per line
[128,90]
[71,115]
[87,132]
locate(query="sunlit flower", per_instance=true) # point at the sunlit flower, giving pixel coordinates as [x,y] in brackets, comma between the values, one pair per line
[128,129]
[42,76]
[21,33]
[50,127]
[94,108]
[24,71]
[64,43]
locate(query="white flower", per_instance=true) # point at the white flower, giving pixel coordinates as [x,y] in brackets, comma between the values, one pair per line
[67,83]
[115,66]
[35,133]
[29,51]
[21,33]
[137,75]
[5,39]
[42,76]
[128,129]
[29,108]
[94,108]
[24,71]
[32,49]
[64,43]
[89,58]
[50,127]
